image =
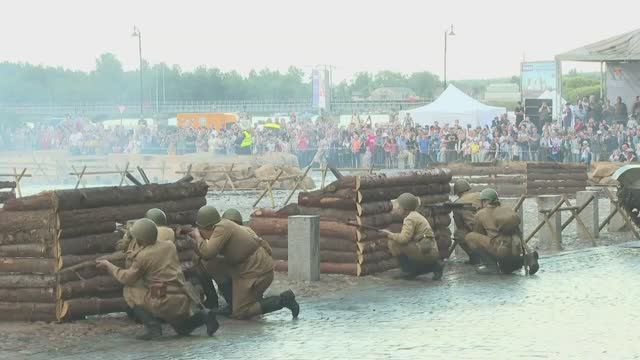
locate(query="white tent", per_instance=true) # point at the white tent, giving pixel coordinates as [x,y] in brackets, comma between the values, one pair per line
[452,105]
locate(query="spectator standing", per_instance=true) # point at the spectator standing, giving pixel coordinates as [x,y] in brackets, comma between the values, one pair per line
[620,114]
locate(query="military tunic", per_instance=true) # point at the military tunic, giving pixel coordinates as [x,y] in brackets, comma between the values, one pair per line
[487,236]
[416,240]
[247,261]
[134,294]
[158,265]
[464,218]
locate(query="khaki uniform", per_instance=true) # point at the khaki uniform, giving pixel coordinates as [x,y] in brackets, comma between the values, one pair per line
[464,218]
[416,240]
[486,235]
[248,263]
[155,266]
[134,294]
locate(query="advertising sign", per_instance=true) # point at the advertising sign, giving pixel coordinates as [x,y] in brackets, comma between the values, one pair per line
[537,77]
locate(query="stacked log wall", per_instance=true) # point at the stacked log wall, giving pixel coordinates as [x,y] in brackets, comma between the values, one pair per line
[43,235]
[555,178]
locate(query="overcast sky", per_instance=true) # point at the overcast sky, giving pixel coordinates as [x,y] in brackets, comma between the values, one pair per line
[491,36]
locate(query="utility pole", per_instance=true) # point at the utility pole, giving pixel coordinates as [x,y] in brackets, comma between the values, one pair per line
[136,33]
[447,33]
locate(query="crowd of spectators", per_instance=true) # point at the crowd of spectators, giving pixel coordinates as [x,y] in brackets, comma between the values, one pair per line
[589,130]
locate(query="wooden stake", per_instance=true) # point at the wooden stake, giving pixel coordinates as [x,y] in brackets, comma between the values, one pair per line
[324,175]
[123,174]
[17,179]
[623,212]
[547,216]
[268,189]
[574,215]
[304,175]
[84,168]
[228,179]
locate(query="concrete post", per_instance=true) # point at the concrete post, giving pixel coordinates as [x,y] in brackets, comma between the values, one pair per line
[550,238]
[589,216]
[617,223]
[511,203]
[304,248]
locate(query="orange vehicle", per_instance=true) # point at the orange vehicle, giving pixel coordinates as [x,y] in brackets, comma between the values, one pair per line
[216,121]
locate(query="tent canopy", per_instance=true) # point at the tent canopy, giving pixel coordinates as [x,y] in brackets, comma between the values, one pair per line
[452,105]
[624,47]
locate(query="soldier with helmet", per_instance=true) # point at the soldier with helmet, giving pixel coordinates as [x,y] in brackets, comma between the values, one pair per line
[134,293]
[415,246]
[168,296]
[250,265]
[463,217]
[497,238]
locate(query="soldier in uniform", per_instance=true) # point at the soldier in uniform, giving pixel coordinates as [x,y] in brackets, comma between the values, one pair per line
[168,296]
[134,294]
[415,246]
[497,238]
[464,217]
[249,263]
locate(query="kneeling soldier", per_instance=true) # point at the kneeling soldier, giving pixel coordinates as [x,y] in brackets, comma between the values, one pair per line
[464,217]
[415,246]
[249,263]
[168,296]
[497,239]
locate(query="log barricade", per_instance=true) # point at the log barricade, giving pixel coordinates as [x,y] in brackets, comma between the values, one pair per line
[41,236]
[555,178]
[364,201]
[506,180]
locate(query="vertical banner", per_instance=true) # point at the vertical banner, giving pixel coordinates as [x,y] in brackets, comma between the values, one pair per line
[319,96]
[623,79]
[537,78]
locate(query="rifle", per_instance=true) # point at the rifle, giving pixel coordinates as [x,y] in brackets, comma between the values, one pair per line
[363,226]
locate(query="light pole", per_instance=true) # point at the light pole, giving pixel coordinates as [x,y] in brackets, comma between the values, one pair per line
[447,33]
[136,33]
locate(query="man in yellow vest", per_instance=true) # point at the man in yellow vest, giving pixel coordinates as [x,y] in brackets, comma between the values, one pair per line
[246,144]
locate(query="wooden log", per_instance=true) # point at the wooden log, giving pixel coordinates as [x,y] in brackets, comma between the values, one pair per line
[406,179]
[117,196]
[88,229]
[279,226]
[557,166]
[497,180]
[182,217]
[556,183]
[474,171]
[556,176]
[6,196]
[345,182]
[555,171]
[294,209]
[375,268]
[390,193]
[7,184]
[27,311]
[89,244]
[340,199]
[326,243]
[78,308]
[33,236]
[27,265]
[377,220]
[42,201]
[37,295]
[21,281]
[12,222]
[88,287]
[373,246]
[72,218]
[554,191]
[26,250]
[327,256]
[373,208]
[325,268]
[433,199]
[374,257]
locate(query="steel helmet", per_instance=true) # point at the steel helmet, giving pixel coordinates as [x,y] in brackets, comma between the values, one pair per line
[145,232]
[207,216]
[233,215]
[460,186]
[408,201]
[489,194]
[157,216]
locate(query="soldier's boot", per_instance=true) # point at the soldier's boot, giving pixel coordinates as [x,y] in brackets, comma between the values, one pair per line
[531,260]
[408,269]
[489,266]
[153,329]
[274,303]
[438,268]
[474,258]
[226,289]
[211,301]
[200,318]
[510,264]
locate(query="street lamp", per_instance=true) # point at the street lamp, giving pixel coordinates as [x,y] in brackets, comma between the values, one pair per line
[446,35]
[136,33]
